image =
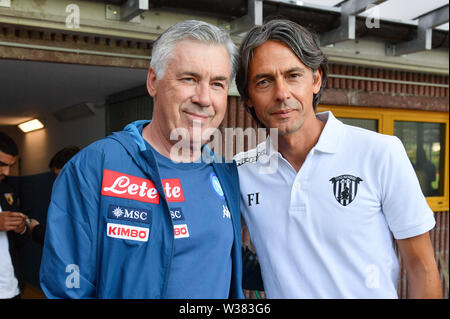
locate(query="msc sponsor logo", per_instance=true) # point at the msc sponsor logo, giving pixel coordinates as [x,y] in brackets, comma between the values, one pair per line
[180,231]
[121,185]
[176,214]
[127,232]
[129,214]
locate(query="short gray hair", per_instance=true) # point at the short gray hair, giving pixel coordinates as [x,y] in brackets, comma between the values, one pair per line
[190,30]
[302,42]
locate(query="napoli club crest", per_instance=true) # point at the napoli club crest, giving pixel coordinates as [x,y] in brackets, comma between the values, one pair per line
[345,188]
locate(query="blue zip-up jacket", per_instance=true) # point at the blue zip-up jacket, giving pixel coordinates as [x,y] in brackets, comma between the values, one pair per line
[80,261]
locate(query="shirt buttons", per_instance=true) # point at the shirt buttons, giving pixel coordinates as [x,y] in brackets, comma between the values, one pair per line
[296,185]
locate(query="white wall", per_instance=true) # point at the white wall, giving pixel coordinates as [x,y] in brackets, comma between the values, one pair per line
[38,147]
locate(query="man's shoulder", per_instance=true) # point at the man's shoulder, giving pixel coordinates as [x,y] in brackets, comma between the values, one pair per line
[101,146]
[95,155]
[360,136]
[366,145]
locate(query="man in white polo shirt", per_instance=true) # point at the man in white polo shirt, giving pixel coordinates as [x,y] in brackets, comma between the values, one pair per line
[13,230]
[321,199]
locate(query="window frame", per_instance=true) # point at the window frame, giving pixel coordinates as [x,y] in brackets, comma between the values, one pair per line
[386,118]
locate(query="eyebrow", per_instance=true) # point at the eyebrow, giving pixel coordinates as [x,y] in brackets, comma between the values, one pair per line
[220,78]
[296,69]
[193,74]
[265,75]
[196,75]
[261,76]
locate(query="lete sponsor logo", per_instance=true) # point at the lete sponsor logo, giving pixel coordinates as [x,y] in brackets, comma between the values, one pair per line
[127,232]
[121,185]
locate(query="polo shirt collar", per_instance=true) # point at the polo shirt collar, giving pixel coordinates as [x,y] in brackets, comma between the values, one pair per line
[331,135]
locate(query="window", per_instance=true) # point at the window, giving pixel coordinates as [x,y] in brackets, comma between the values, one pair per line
[423,145]
[368,124]
[425,136]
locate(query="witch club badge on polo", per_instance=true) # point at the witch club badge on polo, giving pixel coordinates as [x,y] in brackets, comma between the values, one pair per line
[345,188]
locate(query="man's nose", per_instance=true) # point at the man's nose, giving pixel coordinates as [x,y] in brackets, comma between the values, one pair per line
[202,96]
[282,91]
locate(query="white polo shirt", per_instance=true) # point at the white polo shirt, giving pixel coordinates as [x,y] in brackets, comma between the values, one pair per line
[326,231]
[8,283]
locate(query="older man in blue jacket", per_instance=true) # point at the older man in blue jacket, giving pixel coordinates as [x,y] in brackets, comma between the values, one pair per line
[135,215]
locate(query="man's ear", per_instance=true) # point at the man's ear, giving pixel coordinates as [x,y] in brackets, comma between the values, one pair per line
[249,102]
[317,80]
[151,82]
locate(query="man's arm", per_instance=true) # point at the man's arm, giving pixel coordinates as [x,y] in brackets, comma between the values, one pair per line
[422,272]
[409,218]
[68,265]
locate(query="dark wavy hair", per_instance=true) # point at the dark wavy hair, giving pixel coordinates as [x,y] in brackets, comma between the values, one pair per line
[63,156]
[302,42]
[7,145]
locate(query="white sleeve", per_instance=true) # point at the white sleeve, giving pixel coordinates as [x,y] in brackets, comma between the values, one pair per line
[403,203]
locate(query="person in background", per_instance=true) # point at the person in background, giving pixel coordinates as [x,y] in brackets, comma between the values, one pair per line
[426,172]
[13,229]
[56,164]
[61,158]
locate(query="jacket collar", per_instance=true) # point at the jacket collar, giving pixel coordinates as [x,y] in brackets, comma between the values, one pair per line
[135,129]
[132,141]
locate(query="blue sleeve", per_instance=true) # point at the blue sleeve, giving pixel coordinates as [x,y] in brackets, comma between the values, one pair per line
[68,265]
